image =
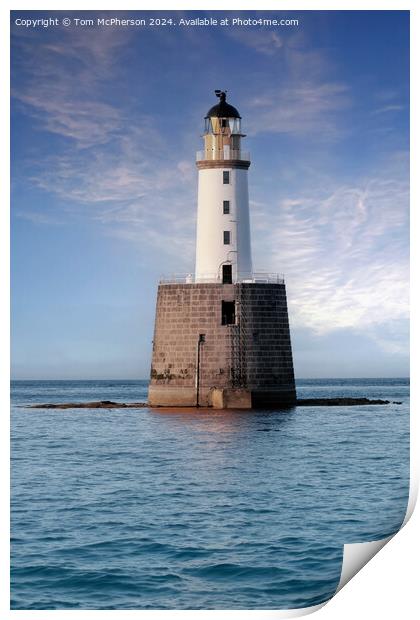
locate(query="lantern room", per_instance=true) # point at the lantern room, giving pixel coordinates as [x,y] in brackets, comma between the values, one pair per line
[222,131]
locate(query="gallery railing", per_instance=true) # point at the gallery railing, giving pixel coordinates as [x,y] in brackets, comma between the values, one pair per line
[226,154]
[257,277]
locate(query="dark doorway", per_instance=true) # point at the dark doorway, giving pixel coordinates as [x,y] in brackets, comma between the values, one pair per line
[228,312]
[226,274]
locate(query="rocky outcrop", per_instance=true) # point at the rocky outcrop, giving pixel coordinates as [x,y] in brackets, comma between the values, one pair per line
[340,402]
[101,404]
[300,402]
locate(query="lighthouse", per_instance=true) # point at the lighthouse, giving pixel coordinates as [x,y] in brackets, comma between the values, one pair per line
[223,248]
[222,336]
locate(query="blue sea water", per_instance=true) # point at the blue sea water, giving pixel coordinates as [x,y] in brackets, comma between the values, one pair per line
[145,509]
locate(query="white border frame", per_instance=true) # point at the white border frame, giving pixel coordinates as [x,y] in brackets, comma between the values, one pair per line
[386,587]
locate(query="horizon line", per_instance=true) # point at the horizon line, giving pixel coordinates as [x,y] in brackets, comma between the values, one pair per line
[148,379]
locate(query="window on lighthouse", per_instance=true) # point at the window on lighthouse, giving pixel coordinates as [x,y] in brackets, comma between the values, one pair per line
[226,237]
[226,177]
[226,207]
[228,312]
[226,274]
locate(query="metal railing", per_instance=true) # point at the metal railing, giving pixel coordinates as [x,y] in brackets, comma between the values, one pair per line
[257,277]
[223,154]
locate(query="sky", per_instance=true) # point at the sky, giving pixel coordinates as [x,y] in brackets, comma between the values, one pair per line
[105,125]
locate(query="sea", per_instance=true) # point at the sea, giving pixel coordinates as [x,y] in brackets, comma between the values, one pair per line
[199,509]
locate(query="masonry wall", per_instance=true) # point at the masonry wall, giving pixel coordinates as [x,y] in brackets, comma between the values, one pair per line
[260,339]
[268,351]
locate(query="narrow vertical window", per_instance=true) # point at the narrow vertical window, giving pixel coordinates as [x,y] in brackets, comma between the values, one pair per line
[226,175]
[226,237]
[226,207]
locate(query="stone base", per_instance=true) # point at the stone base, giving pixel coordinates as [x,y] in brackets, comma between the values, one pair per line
[173,396]
[229,398]
[242,334]
[226,398]
[219,398]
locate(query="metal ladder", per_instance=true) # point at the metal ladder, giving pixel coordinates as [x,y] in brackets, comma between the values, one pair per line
[239,338]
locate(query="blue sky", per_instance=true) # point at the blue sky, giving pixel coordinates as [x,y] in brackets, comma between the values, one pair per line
[105,125]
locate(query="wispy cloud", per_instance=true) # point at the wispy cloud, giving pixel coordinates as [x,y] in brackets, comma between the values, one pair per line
[37,217]
[133,197]
[344,250]
[113,167]
[262,40]
[389,108]
[302,96]
[62,85]
[299,108]
[124,171]
[58,111]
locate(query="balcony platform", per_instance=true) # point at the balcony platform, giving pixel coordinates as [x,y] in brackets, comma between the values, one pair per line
[257,277]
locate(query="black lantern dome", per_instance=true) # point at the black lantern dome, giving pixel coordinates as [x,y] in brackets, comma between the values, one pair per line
[222,109]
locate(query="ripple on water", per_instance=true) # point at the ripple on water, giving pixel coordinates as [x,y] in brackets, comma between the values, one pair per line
[112,510]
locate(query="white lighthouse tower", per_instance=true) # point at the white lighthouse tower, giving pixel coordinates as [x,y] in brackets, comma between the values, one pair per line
[223,250]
